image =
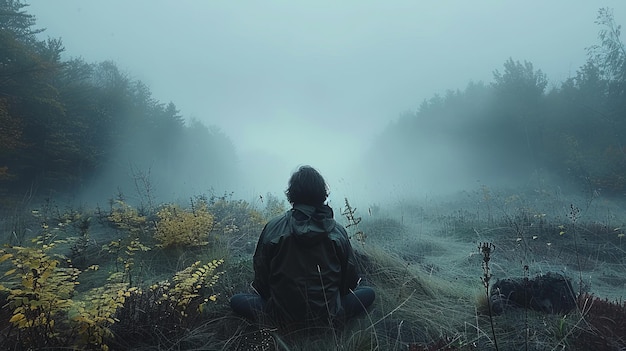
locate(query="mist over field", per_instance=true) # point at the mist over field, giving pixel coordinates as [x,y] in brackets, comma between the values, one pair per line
[144,146]
[323,83]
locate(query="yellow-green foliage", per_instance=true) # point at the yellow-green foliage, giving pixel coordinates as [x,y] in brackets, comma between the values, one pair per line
[94,312]
[184,227]
[125,250]
[237,220]
[187,284]
[39,291]
[125,217]
[273,206]
[43,309]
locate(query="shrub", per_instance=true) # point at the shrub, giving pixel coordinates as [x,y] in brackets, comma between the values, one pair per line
[184,227]
[125,217]
[124,251]
[44,310]
[273,206]
[168,309]
[238,222]
[184,293]
[93,314]
[39,293]
[239,213]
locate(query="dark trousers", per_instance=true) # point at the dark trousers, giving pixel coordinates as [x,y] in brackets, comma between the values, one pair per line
[252,306]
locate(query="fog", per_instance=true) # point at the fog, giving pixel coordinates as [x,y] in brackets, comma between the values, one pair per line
[316,82]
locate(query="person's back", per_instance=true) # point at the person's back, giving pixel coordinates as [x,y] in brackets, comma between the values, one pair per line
[304,265]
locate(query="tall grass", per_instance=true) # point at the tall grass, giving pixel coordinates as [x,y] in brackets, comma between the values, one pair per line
[425,271]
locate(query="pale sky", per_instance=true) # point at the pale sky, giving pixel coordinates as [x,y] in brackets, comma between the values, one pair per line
[312,82]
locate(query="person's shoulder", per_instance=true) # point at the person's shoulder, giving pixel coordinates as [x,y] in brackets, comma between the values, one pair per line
[276,227]
[340,228]
[339,232]
[279,219]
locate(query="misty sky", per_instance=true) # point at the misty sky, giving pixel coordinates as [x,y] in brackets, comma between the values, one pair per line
[295,82]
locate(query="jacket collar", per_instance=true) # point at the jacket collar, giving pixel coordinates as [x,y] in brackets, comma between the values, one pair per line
[311,220]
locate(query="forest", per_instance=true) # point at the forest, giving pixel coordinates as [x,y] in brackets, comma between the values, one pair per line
[140,273]
[62,123]
[517,125]
[65,122]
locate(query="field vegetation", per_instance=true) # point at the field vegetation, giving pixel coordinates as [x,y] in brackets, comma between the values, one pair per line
[137,272]
[105,278]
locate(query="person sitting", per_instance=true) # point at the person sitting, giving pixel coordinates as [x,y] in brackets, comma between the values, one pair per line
[304,265]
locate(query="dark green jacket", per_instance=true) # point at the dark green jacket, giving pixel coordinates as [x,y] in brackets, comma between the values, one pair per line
[304,264]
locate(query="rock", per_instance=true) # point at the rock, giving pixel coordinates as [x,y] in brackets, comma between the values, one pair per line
[550,293]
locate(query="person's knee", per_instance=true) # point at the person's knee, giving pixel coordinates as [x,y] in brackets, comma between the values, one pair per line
[247,305]
[366,295]
[238,302]
[358,301]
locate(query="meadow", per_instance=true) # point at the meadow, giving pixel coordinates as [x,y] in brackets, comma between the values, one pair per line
[135,273]
[158,276]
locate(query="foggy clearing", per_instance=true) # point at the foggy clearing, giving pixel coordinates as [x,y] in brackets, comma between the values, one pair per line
[469,148]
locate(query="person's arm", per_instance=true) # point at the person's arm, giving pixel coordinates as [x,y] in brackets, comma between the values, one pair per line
[350,277]
[261,268]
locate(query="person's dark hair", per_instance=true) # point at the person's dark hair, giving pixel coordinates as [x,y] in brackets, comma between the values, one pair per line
[307,186]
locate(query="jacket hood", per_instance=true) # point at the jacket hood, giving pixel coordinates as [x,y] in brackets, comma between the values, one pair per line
[310,223]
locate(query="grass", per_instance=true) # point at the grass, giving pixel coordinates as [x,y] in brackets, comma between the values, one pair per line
[424,265]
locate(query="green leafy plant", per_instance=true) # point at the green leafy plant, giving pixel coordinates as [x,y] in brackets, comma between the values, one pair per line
[94,312]
[124,251]
[178,227]
[124,217]
[169,308]
[134,227]
[237,222]
[44,309]
[184,291]
[39,291]
[273,206]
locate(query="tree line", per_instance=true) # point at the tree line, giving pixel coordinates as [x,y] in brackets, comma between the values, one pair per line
[65,122]
[62,122]
[516,125]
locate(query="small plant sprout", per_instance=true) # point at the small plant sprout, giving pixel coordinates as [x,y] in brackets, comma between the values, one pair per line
[573,215]
[486,249]
[353,221]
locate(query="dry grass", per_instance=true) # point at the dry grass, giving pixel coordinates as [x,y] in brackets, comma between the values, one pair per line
[425,269]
